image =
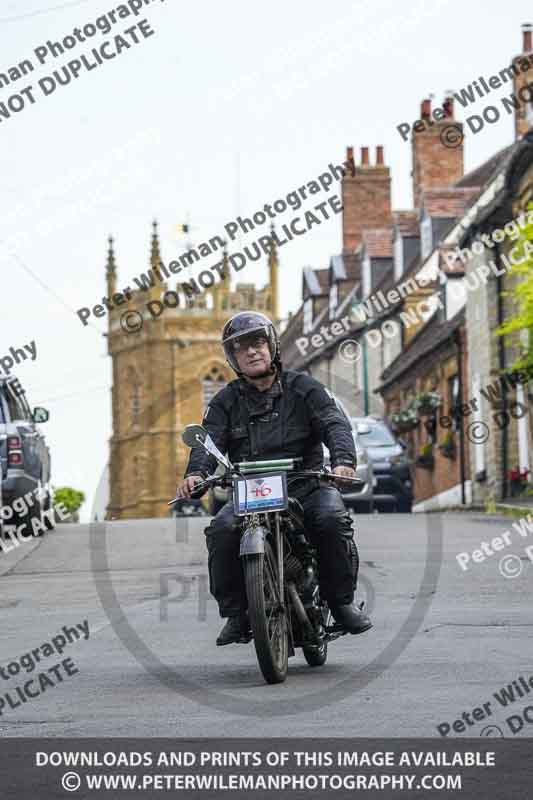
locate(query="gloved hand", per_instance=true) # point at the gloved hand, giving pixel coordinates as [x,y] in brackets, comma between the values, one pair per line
[186,487]
[344,471]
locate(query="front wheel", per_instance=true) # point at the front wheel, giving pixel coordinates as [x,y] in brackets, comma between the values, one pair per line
[268,618]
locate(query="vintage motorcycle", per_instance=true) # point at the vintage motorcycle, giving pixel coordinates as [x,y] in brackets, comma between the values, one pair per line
[279,563]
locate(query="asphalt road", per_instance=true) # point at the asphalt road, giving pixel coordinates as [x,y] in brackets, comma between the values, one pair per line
[443,640]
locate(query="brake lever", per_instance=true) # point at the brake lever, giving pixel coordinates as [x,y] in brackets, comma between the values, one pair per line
[200,487]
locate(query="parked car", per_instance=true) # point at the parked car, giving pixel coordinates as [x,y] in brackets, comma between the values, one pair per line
[361,501]
[393,488]
[24,455]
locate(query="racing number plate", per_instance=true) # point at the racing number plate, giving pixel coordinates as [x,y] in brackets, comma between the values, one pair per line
[260,493]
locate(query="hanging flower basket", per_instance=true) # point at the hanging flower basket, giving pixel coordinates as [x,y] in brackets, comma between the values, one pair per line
[405,421]
[425,458]
[518,479]
[447,446]
[427,403]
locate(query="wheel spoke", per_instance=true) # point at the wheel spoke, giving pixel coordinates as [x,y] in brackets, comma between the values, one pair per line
[271,574]
[276,641]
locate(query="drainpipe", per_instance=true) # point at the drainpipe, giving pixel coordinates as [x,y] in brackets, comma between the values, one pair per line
[501,364]
[365,377]
[462,474]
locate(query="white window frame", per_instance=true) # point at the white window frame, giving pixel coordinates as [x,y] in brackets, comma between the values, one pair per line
[523,431]
[479,449]
[367,278]
[308,315]
[528,105]
[333,299]
[426,236]
[398,256]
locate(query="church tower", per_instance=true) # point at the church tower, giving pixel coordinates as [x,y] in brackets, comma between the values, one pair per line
[166,368]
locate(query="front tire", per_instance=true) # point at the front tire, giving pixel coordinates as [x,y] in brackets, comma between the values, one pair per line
[268,621]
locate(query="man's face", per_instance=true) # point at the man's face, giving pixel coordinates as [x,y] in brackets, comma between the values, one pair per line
[252,354]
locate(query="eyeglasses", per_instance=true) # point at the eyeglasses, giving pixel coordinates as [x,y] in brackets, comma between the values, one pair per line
[244,342]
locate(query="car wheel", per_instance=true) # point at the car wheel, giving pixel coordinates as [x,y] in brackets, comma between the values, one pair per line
[364,507]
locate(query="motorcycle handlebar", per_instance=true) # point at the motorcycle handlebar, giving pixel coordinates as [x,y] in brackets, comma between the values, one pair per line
[200,488]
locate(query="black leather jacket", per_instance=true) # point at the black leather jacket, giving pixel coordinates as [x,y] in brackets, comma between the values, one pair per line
[289,420]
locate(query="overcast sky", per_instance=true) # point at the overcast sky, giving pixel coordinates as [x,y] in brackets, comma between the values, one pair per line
[227,107]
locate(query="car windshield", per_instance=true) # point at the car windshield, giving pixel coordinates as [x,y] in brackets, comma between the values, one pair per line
[378,436]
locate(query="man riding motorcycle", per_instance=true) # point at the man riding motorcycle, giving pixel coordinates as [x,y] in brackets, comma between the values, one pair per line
[270,413]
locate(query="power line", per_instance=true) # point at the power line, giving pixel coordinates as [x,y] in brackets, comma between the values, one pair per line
[43,11]
[75,394]
[47,288]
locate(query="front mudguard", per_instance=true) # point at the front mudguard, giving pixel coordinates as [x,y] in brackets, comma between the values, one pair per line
[253,540]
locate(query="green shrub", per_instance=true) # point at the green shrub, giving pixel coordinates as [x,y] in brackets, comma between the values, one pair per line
[72,499]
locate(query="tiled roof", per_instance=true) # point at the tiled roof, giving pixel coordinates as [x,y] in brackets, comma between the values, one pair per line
[293,331]
[407,222]
[448,203]
[352,265]
[481,175]
[378,242]
[429,338]
[323,279]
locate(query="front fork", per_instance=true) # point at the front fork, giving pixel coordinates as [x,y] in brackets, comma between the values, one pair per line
[278,538]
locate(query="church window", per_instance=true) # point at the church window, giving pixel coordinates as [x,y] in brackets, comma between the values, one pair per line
[212,383]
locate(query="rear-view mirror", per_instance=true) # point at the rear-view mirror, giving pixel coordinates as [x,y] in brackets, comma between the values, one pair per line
[194,435]
[197,436]
[40,414]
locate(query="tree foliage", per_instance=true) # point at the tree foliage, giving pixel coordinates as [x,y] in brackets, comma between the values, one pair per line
[522,294]
[72,499]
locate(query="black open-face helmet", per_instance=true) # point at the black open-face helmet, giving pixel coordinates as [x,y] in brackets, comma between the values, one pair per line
[243,324]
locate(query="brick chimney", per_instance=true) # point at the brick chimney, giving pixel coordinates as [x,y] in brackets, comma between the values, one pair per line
[523,85]
[437,149]
[366,198]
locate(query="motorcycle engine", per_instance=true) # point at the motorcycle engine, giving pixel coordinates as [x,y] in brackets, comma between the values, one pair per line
[294,570]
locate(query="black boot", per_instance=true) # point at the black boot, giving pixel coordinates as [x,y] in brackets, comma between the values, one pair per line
[236,629]
[351,618]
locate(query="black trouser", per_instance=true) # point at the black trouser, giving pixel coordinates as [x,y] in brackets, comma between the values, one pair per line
[328,526]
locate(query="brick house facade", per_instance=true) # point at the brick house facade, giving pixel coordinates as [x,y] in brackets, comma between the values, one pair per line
[406,294]
[436,360]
